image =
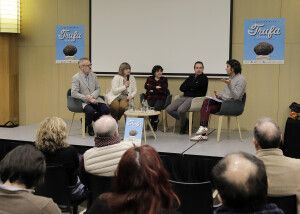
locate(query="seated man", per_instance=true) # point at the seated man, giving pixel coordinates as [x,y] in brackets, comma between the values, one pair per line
[86,88]
[283,172]
[234,90]
[194,86]
[103,159]
[241,181]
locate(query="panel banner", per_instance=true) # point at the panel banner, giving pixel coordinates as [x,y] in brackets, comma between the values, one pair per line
[69,43]
[264,41]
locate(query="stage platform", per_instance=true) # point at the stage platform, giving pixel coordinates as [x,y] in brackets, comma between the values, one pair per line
[184,159]
[168,142]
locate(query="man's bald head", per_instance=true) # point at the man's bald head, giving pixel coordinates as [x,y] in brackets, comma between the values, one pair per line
[241,180]
[105,126]
[267,134]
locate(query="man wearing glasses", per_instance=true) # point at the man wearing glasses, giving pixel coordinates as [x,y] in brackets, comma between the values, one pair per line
[86,88]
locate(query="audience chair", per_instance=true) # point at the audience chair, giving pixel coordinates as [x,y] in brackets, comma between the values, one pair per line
[97,185]
[75,105]
[55,186]
[287,203]
[194,197]
[230,108]
[163,111]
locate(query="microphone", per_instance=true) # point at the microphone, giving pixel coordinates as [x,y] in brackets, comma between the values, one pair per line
[127,77]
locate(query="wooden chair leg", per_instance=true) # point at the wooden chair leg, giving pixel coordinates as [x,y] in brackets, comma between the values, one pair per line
[238,125]
[164,118]
[71,123]
[190,123]
[83,125]
[228,126]
[219,128]
[174,126]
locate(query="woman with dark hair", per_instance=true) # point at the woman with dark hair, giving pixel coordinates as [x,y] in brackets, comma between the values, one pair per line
[156,92]
[141,186]
[235,88]
[51,139]
[21,170]
[123,91]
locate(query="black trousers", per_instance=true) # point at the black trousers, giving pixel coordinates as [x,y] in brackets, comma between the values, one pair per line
[94,111]
[158,105]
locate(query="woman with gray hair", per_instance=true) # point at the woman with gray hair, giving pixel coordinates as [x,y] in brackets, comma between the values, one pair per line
[51,140]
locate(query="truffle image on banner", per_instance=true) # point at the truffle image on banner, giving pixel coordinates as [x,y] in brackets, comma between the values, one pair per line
[70,51]
[263,50]
[132,132]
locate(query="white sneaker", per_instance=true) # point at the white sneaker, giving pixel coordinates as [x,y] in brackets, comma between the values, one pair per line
[202,130]
[199,138]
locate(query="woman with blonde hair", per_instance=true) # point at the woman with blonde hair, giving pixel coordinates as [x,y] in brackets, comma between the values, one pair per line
[51,141]
[123,90]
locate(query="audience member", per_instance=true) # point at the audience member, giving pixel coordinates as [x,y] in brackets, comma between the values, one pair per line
[21,170]
[241,181]
[283,172]
[194,86]
[235,87]
[103,159]
[123,91]
[142,186]
[86,88]
[51,140]
[156,92]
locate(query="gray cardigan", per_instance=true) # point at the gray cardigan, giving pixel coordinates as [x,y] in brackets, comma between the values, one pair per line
[235,90]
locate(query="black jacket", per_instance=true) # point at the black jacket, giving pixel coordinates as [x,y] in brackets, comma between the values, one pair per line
[195,86]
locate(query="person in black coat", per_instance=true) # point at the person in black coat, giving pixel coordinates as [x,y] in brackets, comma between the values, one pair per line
[194,86]
[156,87]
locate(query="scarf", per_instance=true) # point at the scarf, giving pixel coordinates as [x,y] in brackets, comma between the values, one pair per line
[101,141]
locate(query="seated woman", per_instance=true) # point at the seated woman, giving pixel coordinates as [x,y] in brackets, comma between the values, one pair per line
[123,90]
[51,140]
[21,170]
[234,90]
[141,186]
[156,92]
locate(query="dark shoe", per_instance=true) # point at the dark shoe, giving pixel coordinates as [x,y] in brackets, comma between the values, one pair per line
[182,131]
[91,130]
[184,128]
[155,124]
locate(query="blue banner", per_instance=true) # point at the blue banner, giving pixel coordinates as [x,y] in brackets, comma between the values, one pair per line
[69,43]
[264,41]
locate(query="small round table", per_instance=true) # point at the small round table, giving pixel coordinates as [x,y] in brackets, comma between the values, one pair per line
[145,115]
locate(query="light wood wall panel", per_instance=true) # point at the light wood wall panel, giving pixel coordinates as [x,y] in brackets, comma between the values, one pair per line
[43,84]
[9,78]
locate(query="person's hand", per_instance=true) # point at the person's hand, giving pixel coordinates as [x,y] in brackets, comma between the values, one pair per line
[158,87]
[216,95]
[129,98]
[227,81]
[88,98]
[93,100]
[126,84]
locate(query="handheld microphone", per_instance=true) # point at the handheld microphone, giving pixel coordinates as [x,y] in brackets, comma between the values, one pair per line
[127,77]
